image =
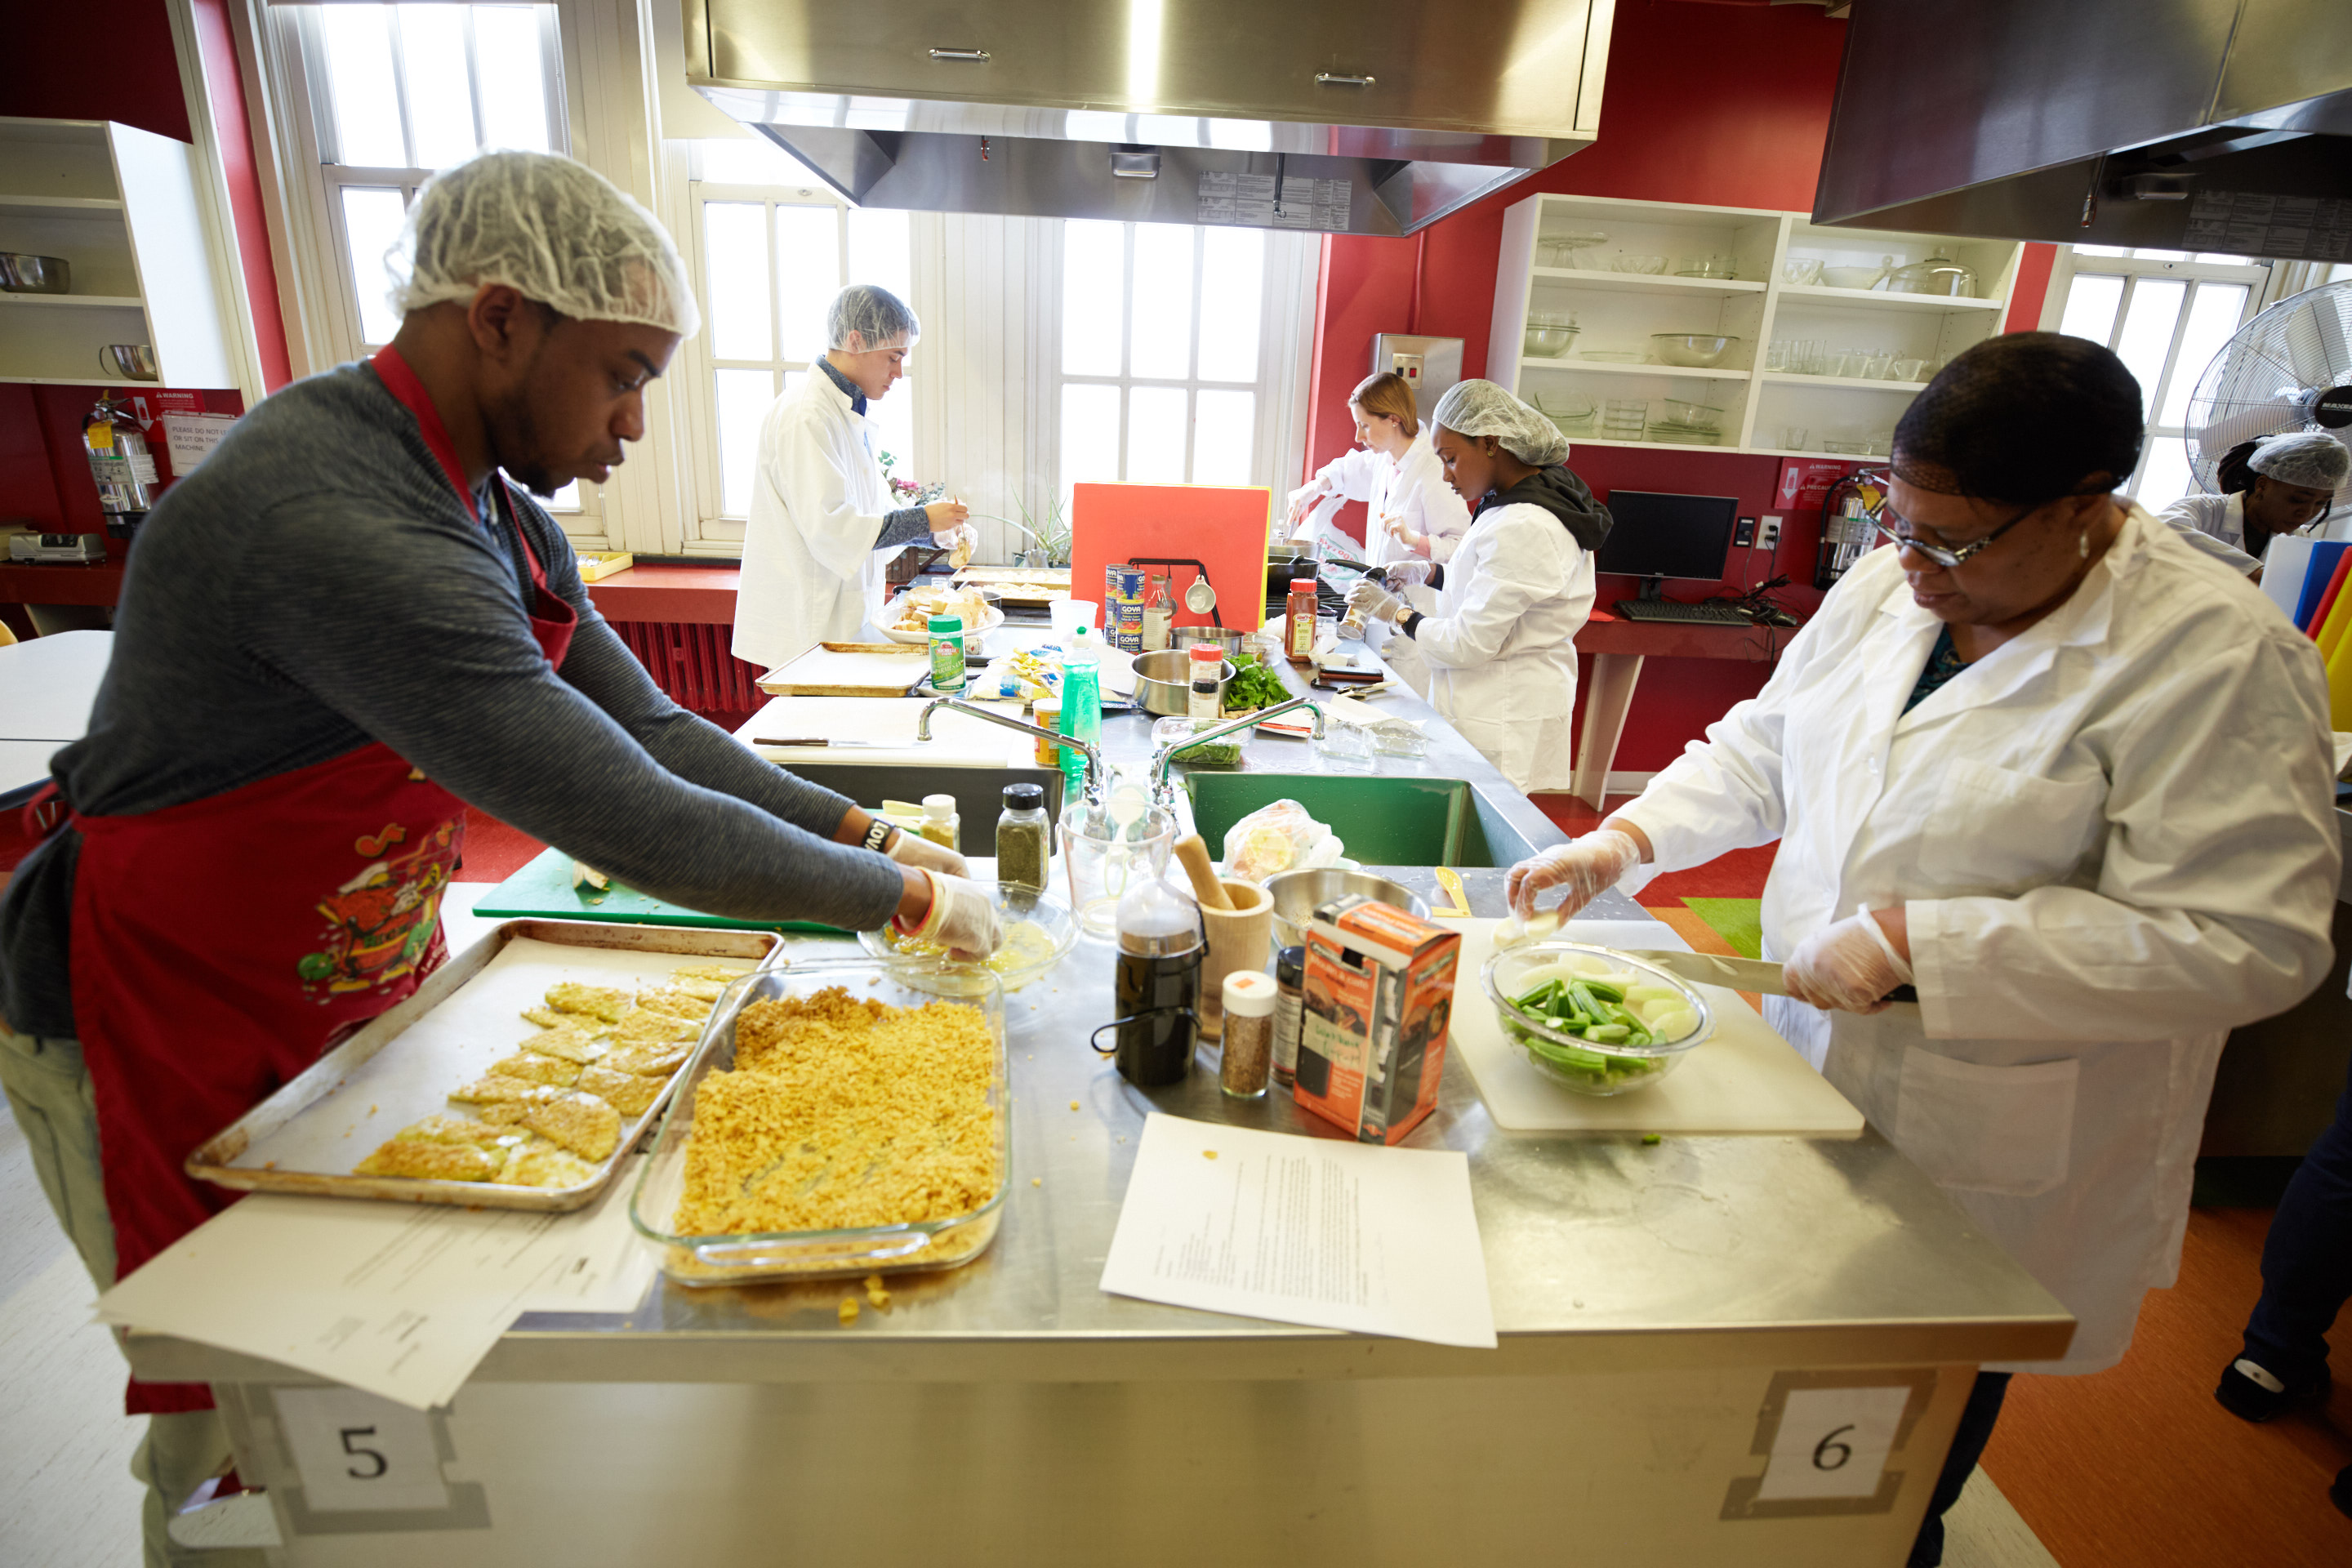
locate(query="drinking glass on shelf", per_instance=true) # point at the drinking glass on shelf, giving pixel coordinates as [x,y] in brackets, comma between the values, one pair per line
[1848,364]
[1906,370]
[1874,365]
[1812,357]
[1776,354]
[1792,437]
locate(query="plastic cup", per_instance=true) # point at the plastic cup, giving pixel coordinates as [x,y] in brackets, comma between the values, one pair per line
[1068,614]
[1101,869]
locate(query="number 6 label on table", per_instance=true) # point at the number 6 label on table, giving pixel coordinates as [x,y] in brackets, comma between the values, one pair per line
[1833,1442]
[357,1452]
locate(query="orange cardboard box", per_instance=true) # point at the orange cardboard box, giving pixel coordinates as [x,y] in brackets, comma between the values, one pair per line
[1379,1002]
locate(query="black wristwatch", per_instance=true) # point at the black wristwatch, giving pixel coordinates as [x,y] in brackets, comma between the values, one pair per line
[878,834]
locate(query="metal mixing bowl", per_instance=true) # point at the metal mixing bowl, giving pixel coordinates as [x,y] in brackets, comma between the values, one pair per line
[1296,893]
[1163,681]
[22,273]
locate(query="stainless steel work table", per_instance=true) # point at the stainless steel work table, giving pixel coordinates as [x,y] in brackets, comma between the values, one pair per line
[1655,1304]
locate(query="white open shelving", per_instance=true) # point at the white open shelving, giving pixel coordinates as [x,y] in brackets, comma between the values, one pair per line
[1619,311]
[119,206]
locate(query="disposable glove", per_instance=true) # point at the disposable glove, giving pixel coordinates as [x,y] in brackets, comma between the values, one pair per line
[1849,967]
[1403,575]
[959,541]
[1587,868]
[962,918]
[1368,598]
[914,850]
[1303,500]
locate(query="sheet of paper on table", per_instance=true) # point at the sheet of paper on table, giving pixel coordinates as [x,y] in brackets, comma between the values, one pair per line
[400,1299]
[1303,1230]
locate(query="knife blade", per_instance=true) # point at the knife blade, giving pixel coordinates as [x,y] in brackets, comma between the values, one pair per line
[814,741]
[1738,974]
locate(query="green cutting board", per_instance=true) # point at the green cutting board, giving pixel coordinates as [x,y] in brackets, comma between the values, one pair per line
[544,890]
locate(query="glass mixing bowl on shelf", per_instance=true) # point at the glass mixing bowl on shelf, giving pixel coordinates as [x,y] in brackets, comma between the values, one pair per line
[1698,350]
[1939,274]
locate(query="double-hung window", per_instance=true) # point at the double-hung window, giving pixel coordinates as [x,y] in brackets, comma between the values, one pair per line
[2165,313]
[772,246]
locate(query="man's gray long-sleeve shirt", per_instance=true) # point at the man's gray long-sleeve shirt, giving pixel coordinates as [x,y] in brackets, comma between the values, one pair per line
[318,584]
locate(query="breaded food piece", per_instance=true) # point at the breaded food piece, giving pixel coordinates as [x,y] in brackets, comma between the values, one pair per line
[443,1127]
[704,990]
[624,1092]
[580,1122]
[643,1025]
[433,1161]
[572,1045]
[508,1112]
[595,1001]
[539,1069]
[544,1165]
[843,1112]
[675,1003]
[717,973]
[549,1018]
[648,1061]
[499,1089]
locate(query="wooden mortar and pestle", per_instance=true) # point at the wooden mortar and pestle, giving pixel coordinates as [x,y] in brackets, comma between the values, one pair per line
[1238,917]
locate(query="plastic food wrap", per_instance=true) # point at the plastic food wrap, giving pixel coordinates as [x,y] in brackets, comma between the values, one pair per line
[1279,837]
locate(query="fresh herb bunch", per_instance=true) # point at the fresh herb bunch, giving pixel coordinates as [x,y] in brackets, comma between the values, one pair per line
[1254,685]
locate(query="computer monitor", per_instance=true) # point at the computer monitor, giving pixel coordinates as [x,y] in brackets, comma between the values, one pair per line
[1654,536]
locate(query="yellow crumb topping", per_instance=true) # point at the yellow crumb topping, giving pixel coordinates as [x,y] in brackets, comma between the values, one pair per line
[842,1113]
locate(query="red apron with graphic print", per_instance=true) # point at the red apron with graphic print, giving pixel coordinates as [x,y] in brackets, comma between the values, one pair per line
[219,946]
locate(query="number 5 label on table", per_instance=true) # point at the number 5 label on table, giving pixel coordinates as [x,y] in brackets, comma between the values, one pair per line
[1833,1442]
[356,1451]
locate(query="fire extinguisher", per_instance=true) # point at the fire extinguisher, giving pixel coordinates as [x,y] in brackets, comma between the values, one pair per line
[119,463]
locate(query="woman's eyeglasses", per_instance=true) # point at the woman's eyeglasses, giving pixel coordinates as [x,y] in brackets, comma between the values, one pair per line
[1894,527]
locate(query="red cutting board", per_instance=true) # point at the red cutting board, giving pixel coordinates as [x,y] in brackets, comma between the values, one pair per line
[1224,527]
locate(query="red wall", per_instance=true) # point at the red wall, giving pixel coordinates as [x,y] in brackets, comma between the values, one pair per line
[1723,104]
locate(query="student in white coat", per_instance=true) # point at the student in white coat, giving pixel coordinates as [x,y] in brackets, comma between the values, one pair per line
[822,529]
[1500,642]
[1411,512]
[2270,485]
[2063,775]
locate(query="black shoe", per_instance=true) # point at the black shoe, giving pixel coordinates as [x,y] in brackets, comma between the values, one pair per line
[2248,1399]
[2340,1494]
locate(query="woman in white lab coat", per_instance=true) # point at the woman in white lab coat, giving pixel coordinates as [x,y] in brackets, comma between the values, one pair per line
[1500,639]
[822,528]
[2270,485]
[2076,779]
[1411,512]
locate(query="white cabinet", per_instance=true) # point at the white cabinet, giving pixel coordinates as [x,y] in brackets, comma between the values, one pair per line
[119,206]
[1619,314]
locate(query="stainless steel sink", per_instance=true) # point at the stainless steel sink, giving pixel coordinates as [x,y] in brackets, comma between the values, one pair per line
[1383,820]
[978,792]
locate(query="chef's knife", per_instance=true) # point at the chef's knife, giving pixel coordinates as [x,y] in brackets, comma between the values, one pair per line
[822,740]
[1738,973]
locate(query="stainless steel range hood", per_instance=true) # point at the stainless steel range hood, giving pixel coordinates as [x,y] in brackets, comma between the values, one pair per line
[2204,125]
[1357,116]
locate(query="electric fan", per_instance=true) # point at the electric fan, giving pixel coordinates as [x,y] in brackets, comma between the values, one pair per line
[2290,368]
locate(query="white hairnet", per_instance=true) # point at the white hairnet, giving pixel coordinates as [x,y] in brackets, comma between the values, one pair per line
[554,230]
[2312,458]
[880,318]
[1483,408]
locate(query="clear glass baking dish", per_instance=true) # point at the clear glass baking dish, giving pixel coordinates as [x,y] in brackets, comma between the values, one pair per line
[748,1256]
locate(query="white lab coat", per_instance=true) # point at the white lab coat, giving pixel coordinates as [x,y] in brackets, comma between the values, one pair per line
[1501,642]
[2214,526]
[811,572]
[1411,489]
[2113,840]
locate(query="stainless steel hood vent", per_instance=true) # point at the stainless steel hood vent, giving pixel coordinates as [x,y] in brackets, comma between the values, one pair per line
[1345,116]
[2203,125]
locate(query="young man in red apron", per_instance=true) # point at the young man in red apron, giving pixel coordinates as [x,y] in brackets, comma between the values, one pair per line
[341,631]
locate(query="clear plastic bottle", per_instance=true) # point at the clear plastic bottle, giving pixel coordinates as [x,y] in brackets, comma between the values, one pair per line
[1158,612]
[1081,717]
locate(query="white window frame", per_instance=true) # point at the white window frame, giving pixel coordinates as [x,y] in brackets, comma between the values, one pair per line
[288,41]
[2258,276]
[709,529]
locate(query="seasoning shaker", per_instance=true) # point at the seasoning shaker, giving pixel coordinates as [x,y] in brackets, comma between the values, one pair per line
[1207,661]
[1021,836]
[1289,1012]
[940,824]
[947,653]
[1249,998]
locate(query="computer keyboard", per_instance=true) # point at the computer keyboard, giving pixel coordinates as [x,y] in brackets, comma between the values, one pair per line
[1711,611]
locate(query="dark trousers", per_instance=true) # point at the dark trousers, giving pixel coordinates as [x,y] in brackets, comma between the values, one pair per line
[1968,1442]
[2307,1259]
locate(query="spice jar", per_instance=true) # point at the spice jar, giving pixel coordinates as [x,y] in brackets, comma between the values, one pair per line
[1249,999]
[940,824]
[1020,837]
[1298,622]
[947,653]
[1289,1012]
[1207,666]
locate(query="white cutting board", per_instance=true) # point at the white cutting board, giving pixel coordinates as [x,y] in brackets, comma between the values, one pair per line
[1742,1078]
[822,672]
[958,740]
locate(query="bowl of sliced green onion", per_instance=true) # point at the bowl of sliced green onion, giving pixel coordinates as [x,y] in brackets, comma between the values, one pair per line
[1592,1020]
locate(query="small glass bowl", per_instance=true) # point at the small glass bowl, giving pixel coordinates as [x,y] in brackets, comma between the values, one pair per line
[1647,265]
[1579,1064]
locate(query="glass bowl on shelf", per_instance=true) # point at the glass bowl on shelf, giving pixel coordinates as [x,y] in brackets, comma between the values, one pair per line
[1696,351]
[1690,415]
[1648,266]
[1852,277]
[1721,268]
[1801,270]
[1939,274]
[1548,341]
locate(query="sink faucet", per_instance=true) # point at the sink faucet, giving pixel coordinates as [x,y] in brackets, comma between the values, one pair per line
[1164,793]
[1096,773]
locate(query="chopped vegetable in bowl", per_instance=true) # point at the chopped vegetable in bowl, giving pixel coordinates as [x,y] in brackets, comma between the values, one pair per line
[1592,1020]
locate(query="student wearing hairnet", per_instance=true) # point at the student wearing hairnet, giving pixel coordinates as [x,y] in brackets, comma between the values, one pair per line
[2272,485]
[2071,780]
[1501,643]
[344,628]
[822,530]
